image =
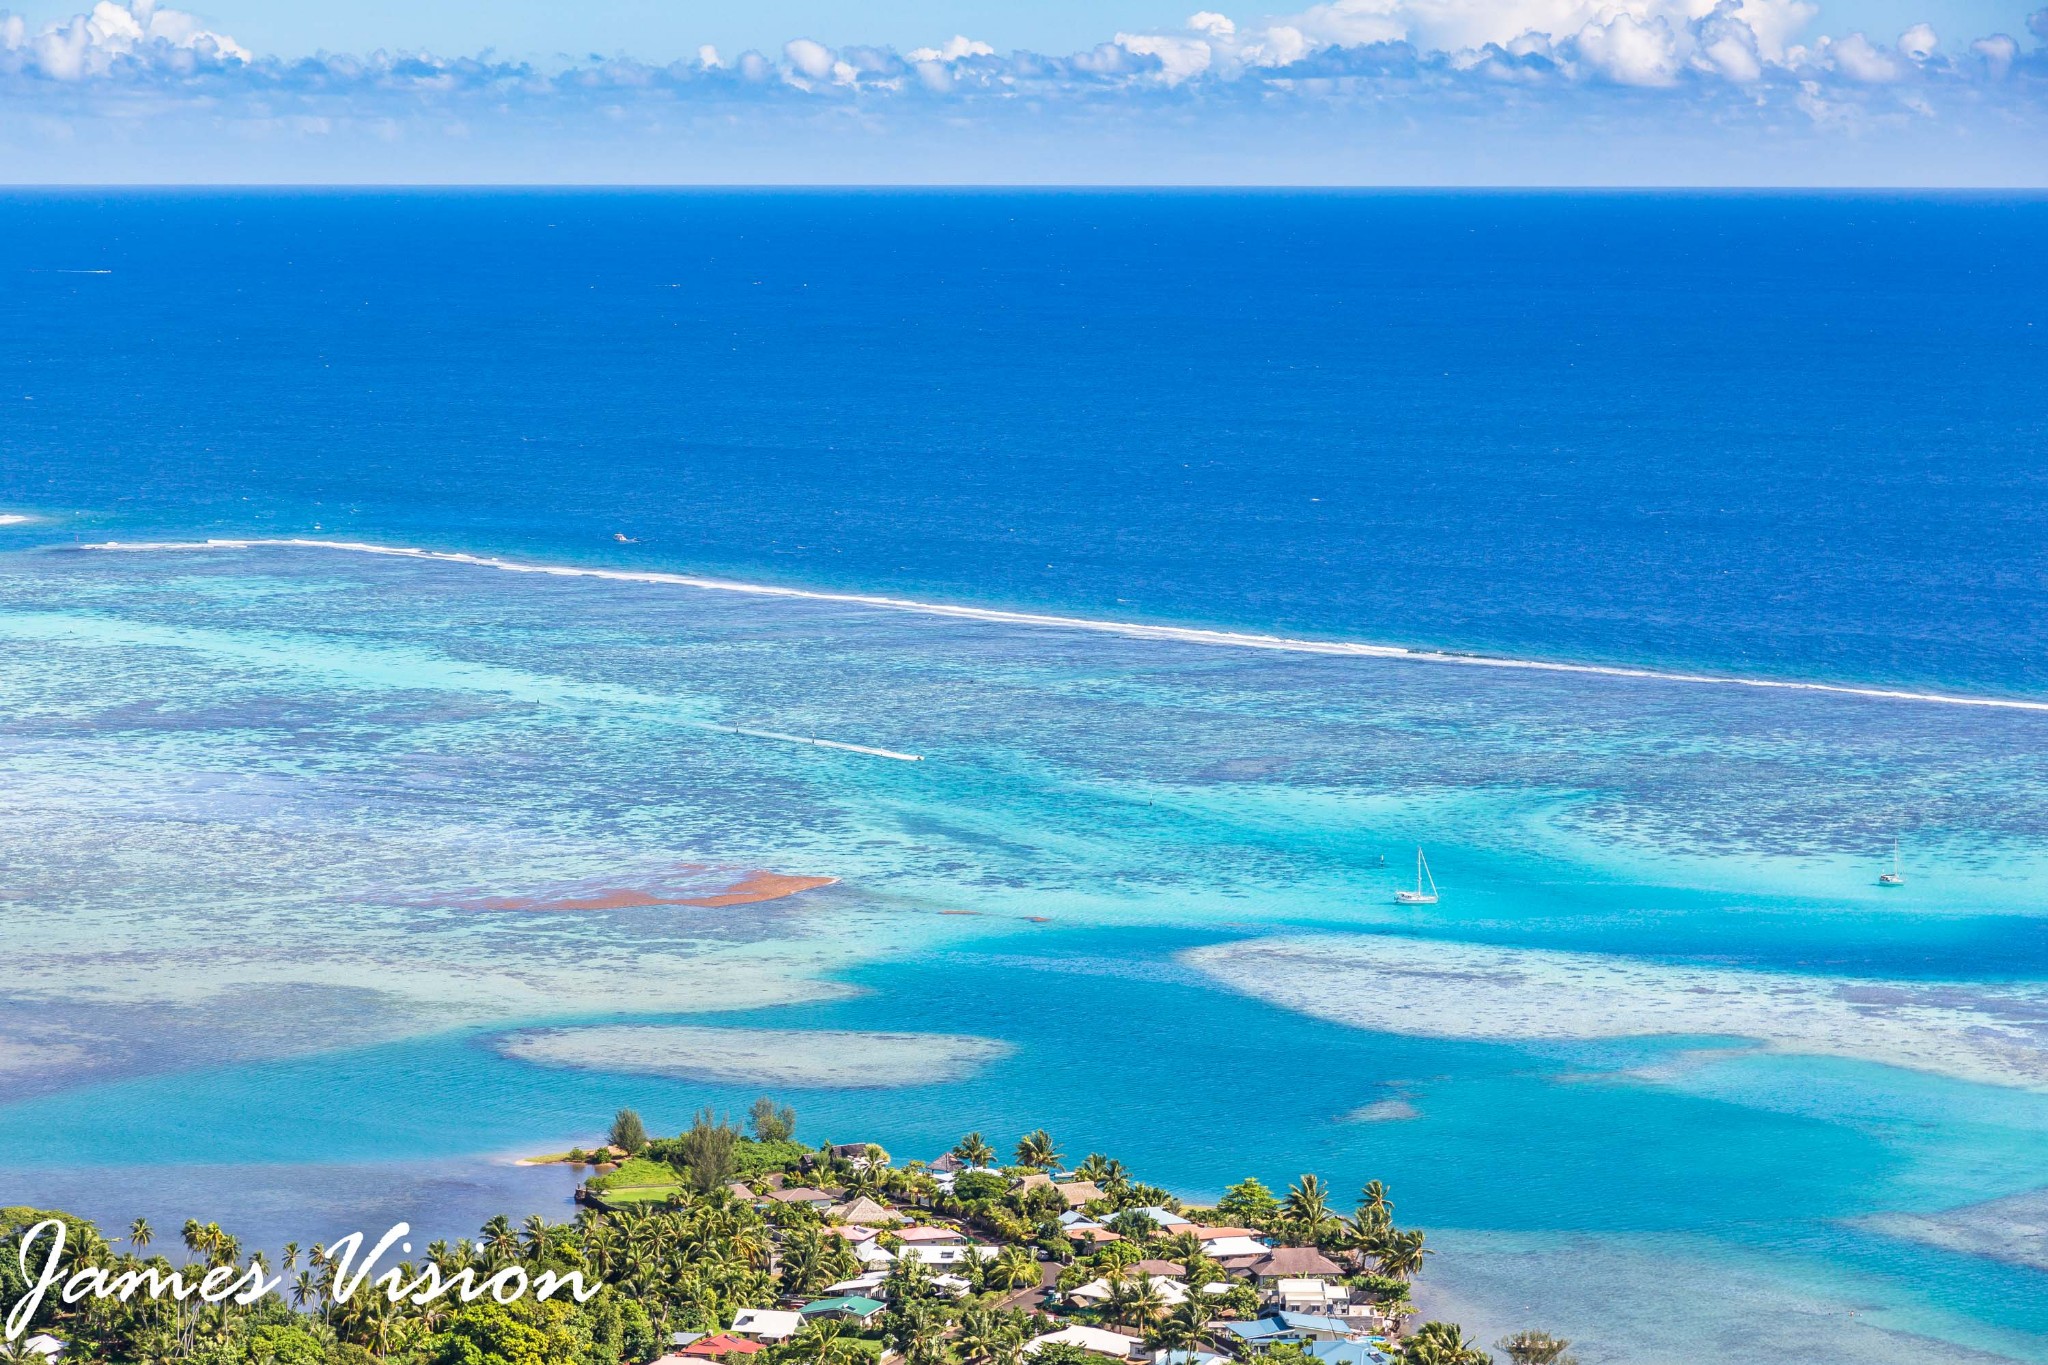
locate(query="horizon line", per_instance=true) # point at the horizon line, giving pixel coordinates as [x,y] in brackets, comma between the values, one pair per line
[2037,189]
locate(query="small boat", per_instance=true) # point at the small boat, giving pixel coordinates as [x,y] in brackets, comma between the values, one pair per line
[1893,877]
[1422,875]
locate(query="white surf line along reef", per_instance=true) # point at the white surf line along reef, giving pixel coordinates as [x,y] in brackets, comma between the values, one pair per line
[1992,1033]
[1134,630]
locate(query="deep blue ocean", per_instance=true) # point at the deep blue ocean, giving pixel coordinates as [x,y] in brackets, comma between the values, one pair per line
[1664,1070]
[1795,435]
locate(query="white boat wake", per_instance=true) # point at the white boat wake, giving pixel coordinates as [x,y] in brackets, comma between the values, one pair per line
[1130,629]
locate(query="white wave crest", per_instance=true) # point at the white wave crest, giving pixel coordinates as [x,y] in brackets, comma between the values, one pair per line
[1130,629]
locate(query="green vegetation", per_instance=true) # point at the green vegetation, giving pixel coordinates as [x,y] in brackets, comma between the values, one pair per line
[629,1135]
[770,1122]
[1535,1348]
[673,1245]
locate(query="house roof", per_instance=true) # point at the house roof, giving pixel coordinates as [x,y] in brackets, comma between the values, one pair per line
[855,1234]
[1113,1344]
[802,1194]
[1166,1218]
[1173,1268]
[863,1210]
[931,1235]
[1170,1291]
[1230,1249]
[1091,1232]
[948,1162]
[857,1304]
[1208,1234]
[1275,1325]
[871,1280]
[1348,1353]
[773,1323]
[1079,1192]
[1034,1180]
[719,1345]
[1312,1322]
[1296,1261]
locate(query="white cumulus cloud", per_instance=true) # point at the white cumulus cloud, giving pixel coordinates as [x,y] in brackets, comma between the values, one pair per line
[95,43]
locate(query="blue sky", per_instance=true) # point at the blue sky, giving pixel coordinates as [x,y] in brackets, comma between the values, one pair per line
[665,29]
[1347,92]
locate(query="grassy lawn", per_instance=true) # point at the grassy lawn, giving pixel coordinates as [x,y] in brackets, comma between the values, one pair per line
[639,1194]
[637,1181]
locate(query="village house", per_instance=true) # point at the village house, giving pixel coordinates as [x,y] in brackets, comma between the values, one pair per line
[1079,1192]
[1096,1340]
[766,1324]
[1097,1292]
[1291,1263]
[845,1308]
[715,1347]
[1310,1296]
[803,1194]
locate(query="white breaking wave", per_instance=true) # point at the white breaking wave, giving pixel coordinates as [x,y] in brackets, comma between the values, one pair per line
[1192,635]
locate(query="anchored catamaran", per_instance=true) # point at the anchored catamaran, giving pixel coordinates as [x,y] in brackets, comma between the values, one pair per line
[1893,877]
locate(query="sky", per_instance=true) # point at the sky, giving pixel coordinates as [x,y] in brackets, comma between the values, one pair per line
[662,30]
[1327,92]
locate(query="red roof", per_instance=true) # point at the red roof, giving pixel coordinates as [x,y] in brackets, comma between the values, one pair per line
[712,1347]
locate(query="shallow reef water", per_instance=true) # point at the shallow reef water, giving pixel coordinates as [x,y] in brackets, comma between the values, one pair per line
[280,817]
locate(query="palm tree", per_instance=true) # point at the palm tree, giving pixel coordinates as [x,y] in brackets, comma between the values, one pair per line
[984,1335]
[974,1150]
[821,1342]
[1184,1328]
[1401,1256]
[1373,1204]
[1036,1148]
[1014,1268]
[1535,1348]
[498,1240]
[303,1289]
[140,1235]
[1184,1247]
[1442,1343]
[1307,1206]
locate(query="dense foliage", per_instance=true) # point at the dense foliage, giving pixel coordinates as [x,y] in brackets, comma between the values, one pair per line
[678,1239]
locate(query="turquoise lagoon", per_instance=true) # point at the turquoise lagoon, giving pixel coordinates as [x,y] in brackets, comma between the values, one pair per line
[256,792]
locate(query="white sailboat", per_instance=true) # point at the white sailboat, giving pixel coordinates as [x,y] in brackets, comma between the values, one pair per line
[1893,877]
[1422,876]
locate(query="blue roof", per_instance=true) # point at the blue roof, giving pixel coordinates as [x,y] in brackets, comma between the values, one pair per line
[1277,1325]
[1310,1322]
[856,1304]
[1163,1217]
[1348,1353]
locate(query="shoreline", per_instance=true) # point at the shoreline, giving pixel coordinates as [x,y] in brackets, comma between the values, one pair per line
[1194,635]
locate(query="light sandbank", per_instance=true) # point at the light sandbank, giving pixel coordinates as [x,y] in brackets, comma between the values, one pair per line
[1988,1033]
[838,1059]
